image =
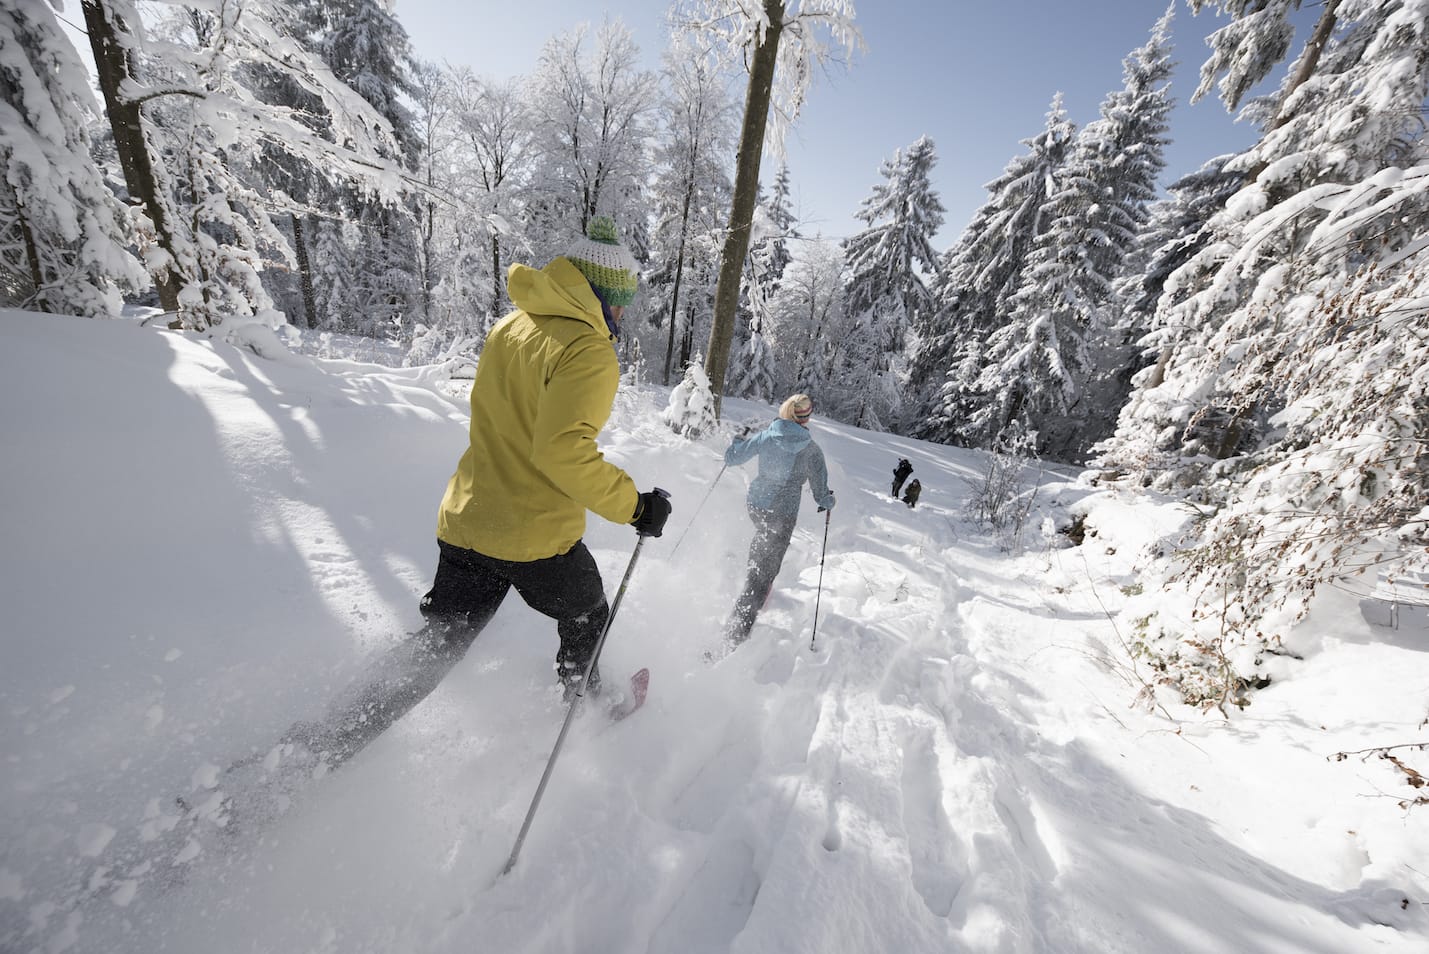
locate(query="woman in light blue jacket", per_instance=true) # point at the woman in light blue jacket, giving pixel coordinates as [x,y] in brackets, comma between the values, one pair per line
[788,457]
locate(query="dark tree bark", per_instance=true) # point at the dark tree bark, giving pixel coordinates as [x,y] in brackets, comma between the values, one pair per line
[32,256]
[679,273]
[114,67]
[305,272]
[498,294]
[746,191]
[1311,57]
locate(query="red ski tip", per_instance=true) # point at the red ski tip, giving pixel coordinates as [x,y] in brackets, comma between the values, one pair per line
[639,686]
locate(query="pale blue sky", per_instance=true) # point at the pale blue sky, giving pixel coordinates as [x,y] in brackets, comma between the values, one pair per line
[977,77]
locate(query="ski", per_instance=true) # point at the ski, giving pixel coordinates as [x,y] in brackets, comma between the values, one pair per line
[639,688]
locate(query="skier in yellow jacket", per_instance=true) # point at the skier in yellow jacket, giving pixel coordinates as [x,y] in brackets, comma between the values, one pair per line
[514,512]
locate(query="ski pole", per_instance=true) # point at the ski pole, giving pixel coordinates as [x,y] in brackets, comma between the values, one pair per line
[575,703]
[698,509]
[820,592]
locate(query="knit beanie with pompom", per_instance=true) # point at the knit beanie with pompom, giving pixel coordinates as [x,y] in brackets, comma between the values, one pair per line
[606,264]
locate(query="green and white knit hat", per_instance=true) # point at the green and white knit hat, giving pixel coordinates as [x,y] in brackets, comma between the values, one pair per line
[606,264]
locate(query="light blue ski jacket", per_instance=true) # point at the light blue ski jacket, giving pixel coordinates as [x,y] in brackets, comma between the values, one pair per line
[788,456]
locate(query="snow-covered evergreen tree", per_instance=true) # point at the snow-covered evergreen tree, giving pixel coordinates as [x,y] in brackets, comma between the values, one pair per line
[368,49]
[1343,134]
[63,234]
[1176,230]
[366,46]
[752,373]
[891,261]
[808,323]
[296,182]
[691,410]
[1177,227]
[333,243]
[890,264]
[1291,397]
[1040,366]
[779,208]
[1245,50]
[1034,365]
[751,366]
[1127,147]
[979,274]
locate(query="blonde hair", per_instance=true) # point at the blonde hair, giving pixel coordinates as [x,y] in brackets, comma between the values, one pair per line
[796,406]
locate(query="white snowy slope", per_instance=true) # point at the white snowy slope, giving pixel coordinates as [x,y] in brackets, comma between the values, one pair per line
[201,546]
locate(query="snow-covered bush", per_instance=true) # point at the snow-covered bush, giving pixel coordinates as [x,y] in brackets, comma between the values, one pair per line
[1290,401]
[443,345]
[691,410]
[1340,497]
[631,401]
[1001,497]
[633,360]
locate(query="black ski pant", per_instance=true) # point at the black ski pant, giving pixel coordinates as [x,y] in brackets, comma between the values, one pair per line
[772,532]
[468,589]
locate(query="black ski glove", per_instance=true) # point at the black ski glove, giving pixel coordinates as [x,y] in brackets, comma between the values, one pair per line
[651,512]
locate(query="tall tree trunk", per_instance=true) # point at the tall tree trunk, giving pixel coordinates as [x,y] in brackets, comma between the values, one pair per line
[679,273]
[305,272]
[746,190]
[687,341]
[32,254]
[1309,59]
[496,291]
[1159,375]
[815,330]
[114,67]
[428,272]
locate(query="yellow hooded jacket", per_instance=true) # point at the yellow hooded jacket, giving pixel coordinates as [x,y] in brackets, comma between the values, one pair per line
[543,390]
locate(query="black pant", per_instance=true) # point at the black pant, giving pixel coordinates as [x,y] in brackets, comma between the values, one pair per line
[772,532]
[470,586]
[465,595]
[900,475]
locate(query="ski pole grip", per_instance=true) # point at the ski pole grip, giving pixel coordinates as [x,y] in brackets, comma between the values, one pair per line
[654,527]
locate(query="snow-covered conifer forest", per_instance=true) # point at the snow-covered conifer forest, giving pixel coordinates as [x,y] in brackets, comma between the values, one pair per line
[1248,344]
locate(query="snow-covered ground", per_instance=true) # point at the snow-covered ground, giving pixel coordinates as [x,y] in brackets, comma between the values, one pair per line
[201,546]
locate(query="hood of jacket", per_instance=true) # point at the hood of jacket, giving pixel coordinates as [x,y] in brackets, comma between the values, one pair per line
[558,289]
[789,435]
